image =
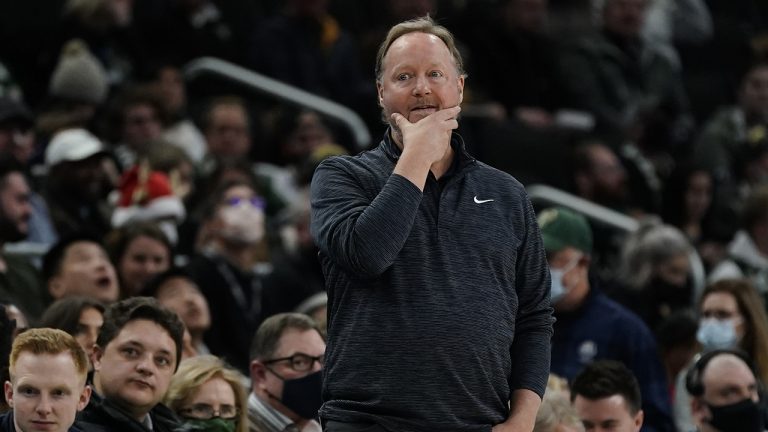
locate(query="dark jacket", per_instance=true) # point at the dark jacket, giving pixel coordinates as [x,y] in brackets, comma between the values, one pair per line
[438,301]
[103,416]
[6,424]
[603,329]
[235,300]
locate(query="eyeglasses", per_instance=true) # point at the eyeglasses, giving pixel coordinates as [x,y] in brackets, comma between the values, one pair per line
[256,201]
[300,362]
[207,412]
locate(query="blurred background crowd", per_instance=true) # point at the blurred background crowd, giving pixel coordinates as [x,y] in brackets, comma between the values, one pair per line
[124,174]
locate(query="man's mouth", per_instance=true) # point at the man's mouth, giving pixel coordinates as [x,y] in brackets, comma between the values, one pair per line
[431,108]
[142,383]
[423,110]
[43,424]
[104,282]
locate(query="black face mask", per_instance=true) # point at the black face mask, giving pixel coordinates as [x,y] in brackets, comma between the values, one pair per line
[673,296]
[303,395]
[743,416]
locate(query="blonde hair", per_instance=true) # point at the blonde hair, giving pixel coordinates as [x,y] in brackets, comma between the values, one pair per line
[419,25]
[196,371]
[556,409]
[48,341]
[557,383]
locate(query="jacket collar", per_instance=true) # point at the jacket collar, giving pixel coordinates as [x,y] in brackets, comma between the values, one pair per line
[161,416]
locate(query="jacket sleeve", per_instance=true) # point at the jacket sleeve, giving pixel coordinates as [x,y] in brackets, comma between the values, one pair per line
[360,230]
[530,351]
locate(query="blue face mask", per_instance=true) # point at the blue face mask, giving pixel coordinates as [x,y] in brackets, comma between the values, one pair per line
[717,334]
[559,290]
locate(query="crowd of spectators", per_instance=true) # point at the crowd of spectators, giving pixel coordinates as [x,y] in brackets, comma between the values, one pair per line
[120,179]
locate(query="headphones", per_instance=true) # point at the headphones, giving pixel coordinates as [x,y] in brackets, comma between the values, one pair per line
[693,378]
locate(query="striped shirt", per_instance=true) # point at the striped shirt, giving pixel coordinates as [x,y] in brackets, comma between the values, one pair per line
[263,418]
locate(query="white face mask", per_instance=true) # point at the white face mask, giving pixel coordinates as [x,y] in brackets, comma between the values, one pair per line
[559,290]
[243,223]
[718,334]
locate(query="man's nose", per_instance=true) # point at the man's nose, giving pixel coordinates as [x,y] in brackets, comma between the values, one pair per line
[422,86]
[44,406]
[146,366]
[101,262]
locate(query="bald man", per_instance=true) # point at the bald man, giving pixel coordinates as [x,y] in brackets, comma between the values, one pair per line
[725,394]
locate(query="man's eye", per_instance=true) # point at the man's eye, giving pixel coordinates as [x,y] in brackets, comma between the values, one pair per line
[403,77]
[435,74]
[130,352]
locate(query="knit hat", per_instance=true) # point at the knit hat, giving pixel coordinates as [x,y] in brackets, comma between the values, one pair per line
[561,228]
[146,196]
[14,112]
[79,76]
[71,145]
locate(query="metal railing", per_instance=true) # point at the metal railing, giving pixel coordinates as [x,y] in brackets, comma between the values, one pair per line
[280,90]
[552,196]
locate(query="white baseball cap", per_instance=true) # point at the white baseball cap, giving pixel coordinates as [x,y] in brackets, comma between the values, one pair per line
[72,145]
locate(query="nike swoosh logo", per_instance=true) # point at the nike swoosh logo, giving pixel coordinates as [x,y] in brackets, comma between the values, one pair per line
[479,201]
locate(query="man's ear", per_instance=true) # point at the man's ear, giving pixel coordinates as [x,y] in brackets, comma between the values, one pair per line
[699,410]
[56,287]
[85,397]
[96,356]
[89,352]
[8,387]
[638,420]
[379,92]
[258,374]
[461,89]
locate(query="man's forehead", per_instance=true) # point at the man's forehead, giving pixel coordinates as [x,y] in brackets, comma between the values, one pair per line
[28,357]
[406,42]
[608,406]
[727,369]
[29,365]
[147,333]
[295,340]
[14,179]
[82,245]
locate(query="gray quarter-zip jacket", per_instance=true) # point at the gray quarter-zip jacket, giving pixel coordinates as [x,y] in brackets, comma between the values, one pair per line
[438,301]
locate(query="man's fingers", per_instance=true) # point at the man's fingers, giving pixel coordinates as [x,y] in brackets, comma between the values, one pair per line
[399,120]
[449,113]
